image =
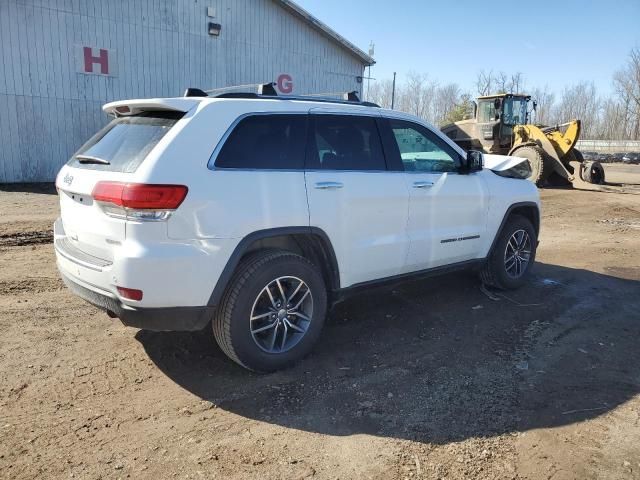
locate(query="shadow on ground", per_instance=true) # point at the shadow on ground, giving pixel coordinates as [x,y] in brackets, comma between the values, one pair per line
[439,361]
[46,188]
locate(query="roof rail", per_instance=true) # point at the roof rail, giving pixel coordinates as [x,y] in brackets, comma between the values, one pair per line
[306,98]
[267,90]
[349,96]
[260,88]
[194,92]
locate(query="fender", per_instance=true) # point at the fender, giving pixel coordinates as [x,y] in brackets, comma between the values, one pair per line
[246,242]
[523,144]
[536,220]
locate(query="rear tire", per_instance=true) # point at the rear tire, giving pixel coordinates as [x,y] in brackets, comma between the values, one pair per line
[536,157]
[254,325]
[503,270]
[593,172]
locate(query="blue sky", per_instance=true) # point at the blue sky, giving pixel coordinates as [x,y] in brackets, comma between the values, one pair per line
[553,43]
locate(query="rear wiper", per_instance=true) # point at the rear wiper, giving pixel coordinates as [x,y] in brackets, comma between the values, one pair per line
[92,159]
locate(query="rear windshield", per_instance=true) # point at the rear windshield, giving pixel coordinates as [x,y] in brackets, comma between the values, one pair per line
[124,143]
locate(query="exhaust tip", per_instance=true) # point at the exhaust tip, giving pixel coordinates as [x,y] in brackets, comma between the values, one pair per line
[111,314]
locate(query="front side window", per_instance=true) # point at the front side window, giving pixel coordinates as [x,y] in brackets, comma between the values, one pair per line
[419,151]
[266,142]
[345,142]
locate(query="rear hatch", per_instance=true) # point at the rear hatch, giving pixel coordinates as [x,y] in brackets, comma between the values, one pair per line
[112,155]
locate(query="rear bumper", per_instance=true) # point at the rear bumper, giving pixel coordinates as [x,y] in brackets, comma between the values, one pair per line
[158,319]
[170,273]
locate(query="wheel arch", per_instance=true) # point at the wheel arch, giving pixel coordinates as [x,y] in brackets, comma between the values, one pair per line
[310,242]
[529,210]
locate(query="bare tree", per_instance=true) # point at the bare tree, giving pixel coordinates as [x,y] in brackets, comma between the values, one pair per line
[381,93]
[516,83]
[485,82]
[501,81]
[615,117]
[544,100]
[580,101]
[489,83]
[447,98]
[416,96]
[627,85]
[613,122]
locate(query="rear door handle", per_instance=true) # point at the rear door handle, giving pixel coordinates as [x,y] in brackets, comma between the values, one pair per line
[328,185]
[422,184]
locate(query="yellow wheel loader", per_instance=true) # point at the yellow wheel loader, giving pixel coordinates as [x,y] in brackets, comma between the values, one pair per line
[500,125]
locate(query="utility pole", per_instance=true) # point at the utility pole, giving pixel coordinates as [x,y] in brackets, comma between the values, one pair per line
[371,53]
[393,91]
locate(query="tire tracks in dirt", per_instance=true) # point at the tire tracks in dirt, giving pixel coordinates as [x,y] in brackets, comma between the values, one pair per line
[26,238]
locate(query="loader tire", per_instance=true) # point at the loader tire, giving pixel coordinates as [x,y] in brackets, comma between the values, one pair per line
[592,172]
[536,157]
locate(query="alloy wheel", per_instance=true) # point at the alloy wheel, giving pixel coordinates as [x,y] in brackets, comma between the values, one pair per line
[517,254]
[281,314]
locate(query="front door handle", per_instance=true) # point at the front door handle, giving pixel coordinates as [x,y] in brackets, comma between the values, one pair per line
[328,185]
[422,184]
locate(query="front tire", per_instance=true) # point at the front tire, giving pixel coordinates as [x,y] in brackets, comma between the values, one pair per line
[536,157]
[513,254]
[272,311]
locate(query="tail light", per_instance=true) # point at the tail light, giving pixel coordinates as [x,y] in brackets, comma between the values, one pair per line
[139,201]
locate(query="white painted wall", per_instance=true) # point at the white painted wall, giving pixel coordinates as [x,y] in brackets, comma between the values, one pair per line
[48,109]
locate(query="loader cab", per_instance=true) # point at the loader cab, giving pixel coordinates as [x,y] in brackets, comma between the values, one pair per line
[491,129]
[514,110]
[507,109]
[497,115]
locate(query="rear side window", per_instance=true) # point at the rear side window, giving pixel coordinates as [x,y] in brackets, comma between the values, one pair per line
[124,143]
[266,142]
[345,142]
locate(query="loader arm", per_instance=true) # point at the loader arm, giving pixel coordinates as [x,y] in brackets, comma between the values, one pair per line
[556,144]
[564,142]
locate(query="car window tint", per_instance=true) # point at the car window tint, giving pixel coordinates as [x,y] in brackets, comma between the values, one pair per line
[418,152]
[266,141]
[346,142]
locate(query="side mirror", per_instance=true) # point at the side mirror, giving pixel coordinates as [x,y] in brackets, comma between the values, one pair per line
[474,161]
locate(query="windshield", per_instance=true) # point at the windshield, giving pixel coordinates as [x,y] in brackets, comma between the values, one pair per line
[125,142]
[514,111]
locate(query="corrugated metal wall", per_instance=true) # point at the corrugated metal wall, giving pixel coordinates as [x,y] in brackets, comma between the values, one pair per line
[159,47]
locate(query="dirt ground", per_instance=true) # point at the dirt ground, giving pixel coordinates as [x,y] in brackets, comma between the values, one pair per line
[428,380]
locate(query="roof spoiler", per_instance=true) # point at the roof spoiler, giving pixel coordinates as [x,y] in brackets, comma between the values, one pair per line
[133,107]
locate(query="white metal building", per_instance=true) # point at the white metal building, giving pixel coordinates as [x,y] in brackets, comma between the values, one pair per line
[61,60]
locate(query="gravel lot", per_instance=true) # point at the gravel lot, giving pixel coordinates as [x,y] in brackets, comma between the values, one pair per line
[432,379]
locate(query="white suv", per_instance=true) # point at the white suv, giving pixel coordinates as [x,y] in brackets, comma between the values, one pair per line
[256,213]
